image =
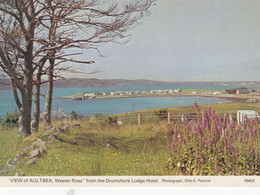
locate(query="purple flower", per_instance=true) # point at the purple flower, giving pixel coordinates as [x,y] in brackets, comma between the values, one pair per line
[202,160]
[236,153]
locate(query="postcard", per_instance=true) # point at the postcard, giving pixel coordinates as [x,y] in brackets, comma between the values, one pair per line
[132,93]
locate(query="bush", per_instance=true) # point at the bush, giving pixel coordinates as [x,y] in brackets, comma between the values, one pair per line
[11,119]
[74,115]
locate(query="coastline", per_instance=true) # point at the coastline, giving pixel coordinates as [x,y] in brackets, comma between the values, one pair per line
[226,97]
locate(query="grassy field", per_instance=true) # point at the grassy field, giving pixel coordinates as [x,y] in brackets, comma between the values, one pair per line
[104,149]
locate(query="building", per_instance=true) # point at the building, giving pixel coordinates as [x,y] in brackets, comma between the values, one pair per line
[243,114]
[216,93]
[251,100]
[177,90]
[238,91]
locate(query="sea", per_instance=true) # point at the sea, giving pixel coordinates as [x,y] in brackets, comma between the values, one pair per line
[116,106]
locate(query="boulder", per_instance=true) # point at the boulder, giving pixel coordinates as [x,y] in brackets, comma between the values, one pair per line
[52,137]
[20,156]
[35,153]
[120,123]
[64,128]
[40,144]
[31,161]
[8,168]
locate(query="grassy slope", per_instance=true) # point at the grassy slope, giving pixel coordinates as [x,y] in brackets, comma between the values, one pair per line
[104,150]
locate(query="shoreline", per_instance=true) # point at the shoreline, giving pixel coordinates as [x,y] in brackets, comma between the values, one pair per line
[230,98]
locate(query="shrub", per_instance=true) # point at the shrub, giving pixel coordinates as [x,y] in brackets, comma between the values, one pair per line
[74,115]
[10,119]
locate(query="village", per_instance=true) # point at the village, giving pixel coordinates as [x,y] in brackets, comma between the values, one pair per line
[243,94]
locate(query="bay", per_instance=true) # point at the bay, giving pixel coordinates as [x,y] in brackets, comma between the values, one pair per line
[114,106]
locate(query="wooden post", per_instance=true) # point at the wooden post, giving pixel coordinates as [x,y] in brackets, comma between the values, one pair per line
[169,118]
[139,119]
[230,117]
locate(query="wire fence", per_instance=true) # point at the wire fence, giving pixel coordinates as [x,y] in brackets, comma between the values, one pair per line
[168,117]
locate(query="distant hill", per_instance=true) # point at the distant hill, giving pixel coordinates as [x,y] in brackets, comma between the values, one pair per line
[92,82]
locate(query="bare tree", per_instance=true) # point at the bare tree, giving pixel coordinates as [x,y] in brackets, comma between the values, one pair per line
[86,25]
[37,36]
[18,21]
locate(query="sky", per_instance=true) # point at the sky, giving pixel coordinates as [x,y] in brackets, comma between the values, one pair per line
[187,40]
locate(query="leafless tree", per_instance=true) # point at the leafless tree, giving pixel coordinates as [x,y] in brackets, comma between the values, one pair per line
[36,36]
[89,24]
[18,22]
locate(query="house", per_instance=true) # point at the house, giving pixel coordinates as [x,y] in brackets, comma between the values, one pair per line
[89,94]
[238,91]
[216,93]
[177,90]
[243,114]
[251,100]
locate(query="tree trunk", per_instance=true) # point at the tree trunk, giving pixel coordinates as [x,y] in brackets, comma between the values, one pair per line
[36,113]
[48,100]
[26,111]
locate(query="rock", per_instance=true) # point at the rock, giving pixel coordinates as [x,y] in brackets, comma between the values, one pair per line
[11,162]
[8,168]
[52,137]
[53,130]
[19,174]
[20,156]
[76,125]
[40,144]
[31,161]
[120,123]
[27,149]
[64,129]
[35,153]
[73,141]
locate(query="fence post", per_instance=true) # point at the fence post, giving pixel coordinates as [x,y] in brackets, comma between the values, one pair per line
[139,119]
[169,118]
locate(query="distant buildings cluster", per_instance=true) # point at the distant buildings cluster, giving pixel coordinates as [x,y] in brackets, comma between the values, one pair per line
[92,95]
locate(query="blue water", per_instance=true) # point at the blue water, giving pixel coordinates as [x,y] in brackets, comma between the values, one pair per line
[114,106]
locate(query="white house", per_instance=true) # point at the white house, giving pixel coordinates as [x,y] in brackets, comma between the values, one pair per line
[243,114]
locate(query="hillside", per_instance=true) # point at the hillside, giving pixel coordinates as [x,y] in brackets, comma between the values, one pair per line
[92,82]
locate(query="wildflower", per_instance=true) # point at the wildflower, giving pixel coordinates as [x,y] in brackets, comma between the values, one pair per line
[236,152]
[202,160]
[197,152]
[233,172]
[203,140]
[175,130]
[217,167]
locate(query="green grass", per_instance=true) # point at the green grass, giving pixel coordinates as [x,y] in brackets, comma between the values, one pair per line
[102,149]
[122,151]
[11,144]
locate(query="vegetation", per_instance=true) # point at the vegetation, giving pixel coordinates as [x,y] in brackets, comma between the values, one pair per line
[208,146]
[10,119]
